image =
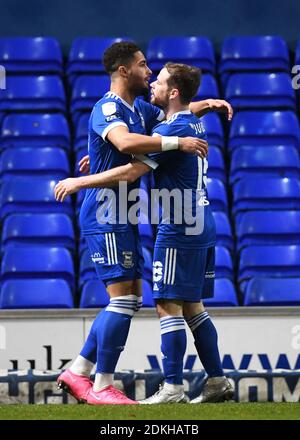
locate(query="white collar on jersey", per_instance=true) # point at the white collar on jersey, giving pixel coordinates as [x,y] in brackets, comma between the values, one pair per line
[174,116]
[124,102]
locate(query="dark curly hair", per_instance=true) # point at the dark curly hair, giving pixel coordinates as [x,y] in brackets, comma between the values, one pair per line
[119,54]
[185,78]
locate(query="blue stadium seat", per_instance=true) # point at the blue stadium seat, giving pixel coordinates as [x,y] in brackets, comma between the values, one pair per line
[148,262]
[271,161]
[36,294]
[81,132]
[196,51]
[225,294]
[216,165]
[224,233]
[224,265]
[94,294]
[261,91]
[35,195]
[268,227]
[261,193]
[37,262]
[273,292]
[208,88]
[35,130]
[38,229]
[214,130]
[87,269]
[217,195]
[33,93]
[86,54]
[51,162]
[148,300]
[258,128]
[253,53]
[268,261]
[30,55]
[87,90]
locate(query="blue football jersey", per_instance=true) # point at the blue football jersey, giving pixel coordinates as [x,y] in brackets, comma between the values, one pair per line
[100,211]
[186,174]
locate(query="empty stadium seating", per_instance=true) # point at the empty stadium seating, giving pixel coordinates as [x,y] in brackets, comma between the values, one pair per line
[272,161]
[38,262]
[197,51]
[224,233]
[224,295]
[46,162]
[268,261]
[31,55]
[87,90]
[261,91]
[268,227]
[36,294]
[214,130]
[216,167]
[263,128]
[35,130]
[253,174]
[33,93]
[35,195]
[253,53]
[273,193]
[86,54]
[273,292]
[217,195]
[38,229]
[208,88]
[94,294]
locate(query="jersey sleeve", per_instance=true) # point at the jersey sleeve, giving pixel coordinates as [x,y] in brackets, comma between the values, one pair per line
[105,117]
[152,115]
[162,156]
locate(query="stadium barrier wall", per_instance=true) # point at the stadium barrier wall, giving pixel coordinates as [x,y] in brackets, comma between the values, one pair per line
[39,387]
[249,339]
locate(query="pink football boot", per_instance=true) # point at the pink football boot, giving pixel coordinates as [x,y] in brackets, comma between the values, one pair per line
[108,396]
[76,385]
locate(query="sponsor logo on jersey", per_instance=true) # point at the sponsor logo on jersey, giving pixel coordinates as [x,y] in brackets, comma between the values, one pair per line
[97,258]
[109,108]
[111,118]
[157,272]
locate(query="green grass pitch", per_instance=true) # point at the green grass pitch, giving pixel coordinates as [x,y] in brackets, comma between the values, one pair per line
[220,411]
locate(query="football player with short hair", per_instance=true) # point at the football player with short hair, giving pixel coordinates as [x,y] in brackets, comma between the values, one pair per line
[183,268]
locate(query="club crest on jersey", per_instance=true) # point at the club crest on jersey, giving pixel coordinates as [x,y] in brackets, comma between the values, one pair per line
[127,259]
[109,108]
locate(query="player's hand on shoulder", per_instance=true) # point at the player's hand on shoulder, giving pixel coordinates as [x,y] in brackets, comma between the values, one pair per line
[222,106]
[193,146]
[66,187]
[84,164]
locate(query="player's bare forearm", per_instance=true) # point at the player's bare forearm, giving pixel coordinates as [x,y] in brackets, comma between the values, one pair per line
[107,179]
[200,108]
[110,178]
[132,143]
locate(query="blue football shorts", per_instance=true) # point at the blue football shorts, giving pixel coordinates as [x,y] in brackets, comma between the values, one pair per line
[117,256]
[183,274]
